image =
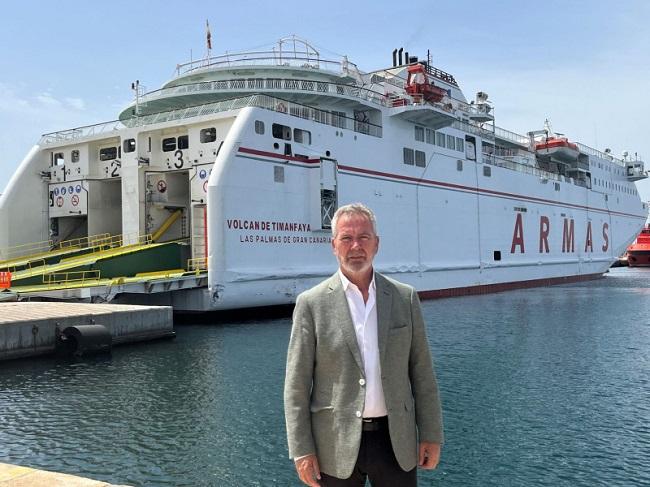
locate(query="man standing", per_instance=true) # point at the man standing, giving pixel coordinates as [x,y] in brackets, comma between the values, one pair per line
[360,395]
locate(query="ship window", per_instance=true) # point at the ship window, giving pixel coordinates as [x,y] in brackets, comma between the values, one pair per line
[497,255]
[208,135]
[459,165]
[108,153]
[338,119]
[487,171]
[557,186]
[58,159]
[169,144]
[451,142]
[281,131]
[259,127]
[460,144]
[431,136]
[302,136]
[129,145]
[408,156]
[440,139]
[183,141]
[419,134]
[420,158]
[74,157]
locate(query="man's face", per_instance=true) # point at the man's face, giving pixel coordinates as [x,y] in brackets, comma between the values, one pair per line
[356,244]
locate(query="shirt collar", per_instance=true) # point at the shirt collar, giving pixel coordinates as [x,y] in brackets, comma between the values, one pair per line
[346,282]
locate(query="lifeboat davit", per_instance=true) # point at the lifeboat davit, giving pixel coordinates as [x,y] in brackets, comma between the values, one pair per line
[559,148]
[419,86]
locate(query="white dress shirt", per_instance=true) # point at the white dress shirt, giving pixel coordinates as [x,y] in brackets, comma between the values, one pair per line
[364,318]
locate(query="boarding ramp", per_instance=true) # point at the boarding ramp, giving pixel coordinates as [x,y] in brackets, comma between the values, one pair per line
[107,269]
[28,255]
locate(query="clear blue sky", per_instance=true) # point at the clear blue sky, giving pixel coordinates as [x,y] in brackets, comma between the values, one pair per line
[585,65]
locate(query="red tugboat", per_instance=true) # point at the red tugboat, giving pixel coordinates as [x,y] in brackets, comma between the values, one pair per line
[638,254]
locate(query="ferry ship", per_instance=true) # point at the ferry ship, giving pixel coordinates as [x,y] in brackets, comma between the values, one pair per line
[217,190]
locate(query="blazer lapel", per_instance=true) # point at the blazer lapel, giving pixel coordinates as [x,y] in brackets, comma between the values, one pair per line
[384,307]
[341,311]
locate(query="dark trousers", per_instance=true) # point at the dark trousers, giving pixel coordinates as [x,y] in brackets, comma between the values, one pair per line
[376,462]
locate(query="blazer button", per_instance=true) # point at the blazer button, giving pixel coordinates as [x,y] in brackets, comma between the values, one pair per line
[358,413]
[362,382]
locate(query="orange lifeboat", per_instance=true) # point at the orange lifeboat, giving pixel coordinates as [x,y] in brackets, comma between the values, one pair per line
[419,87]
[559,148]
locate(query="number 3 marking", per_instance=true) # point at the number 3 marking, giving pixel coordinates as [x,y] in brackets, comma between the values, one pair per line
[179,156]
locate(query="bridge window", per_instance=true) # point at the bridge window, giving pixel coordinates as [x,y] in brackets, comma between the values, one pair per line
[129,145]
[408,156]
[183,142]
[419,134]
[440,139]
[451,142]
[431,136]
[460,144]
[302,136]
[74,157]
[169,144]
[420,158]
[58,159]
[108,153]
[208,135]
[259,127]
[281,131]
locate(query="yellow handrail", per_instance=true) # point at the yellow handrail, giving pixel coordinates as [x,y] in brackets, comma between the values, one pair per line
[59,278]
[198,264]
[166,224]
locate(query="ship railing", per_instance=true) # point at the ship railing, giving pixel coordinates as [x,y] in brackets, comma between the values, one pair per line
[80,132]
[197,264]
[264,58]
[30,268]
[289,51]
[266,102]
[495,160]
[508,135]
[71,277]
[585,149]
[38,249]
[16,251]
[272,84]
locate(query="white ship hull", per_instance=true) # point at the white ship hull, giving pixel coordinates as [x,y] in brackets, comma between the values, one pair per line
[255,199]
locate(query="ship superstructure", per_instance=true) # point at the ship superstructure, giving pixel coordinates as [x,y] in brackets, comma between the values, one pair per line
[217,190]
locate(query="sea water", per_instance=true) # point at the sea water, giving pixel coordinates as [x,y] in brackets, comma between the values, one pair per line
[540,387]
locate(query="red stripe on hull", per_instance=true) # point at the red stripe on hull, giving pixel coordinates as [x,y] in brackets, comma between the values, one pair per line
[504,286]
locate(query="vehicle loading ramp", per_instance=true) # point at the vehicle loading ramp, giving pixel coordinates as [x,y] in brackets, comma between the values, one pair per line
[119,262]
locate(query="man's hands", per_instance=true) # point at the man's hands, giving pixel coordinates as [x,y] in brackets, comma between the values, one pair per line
[429,455]
[309,471]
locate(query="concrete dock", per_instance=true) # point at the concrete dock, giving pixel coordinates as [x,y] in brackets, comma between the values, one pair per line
[31,328]
[17,476]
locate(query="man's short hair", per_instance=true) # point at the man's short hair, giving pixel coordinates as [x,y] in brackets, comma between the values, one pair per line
[354,209]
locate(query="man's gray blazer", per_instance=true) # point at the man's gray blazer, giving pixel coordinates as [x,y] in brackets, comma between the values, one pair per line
[323,391]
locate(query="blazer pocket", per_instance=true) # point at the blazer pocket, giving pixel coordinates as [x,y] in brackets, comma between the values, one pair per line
[317,409]
[399,327]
